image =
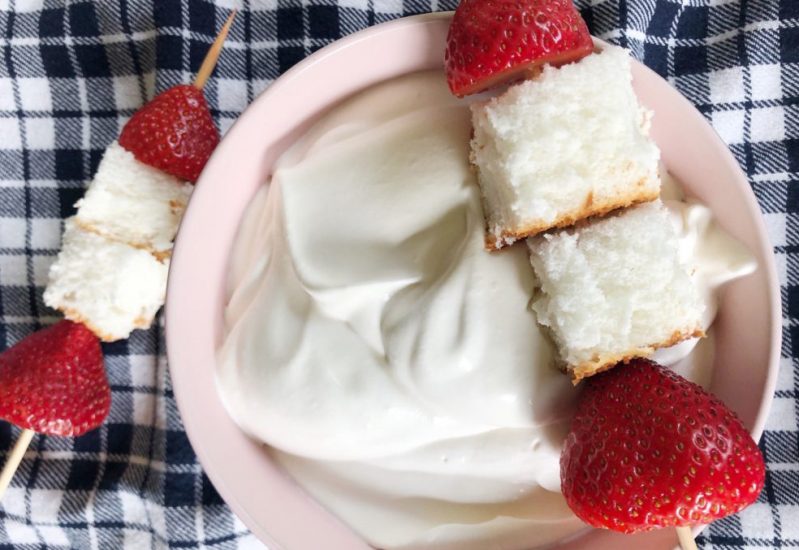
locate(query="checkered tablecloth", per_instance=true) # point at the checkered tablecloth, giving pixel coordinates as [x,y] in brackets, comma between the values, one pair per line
[72,72]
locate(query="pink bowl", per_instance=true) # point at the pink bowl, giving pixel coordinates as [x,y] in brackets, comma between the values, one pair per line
[748,326]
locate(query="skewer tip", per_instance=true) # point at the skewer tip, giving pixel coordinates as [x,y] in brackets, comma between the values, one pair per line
[209,63]
[13,459]
[686,537]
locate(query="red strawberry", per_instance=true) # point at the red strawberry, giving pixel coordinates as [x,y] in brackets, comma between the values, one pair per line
[495,41]
[174,132]
[650,449]
[53,381]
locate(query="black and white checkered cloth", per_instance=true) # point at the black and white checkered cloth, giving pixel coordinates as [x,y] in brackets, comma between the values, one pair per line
[72,72]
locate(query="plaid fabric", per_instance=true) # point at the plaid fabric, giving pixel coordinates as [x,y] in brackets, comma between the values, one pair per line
[72,72]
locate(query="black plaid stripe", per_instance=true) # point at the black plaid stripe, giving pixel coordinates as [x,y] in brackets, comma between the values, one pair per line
[72,72]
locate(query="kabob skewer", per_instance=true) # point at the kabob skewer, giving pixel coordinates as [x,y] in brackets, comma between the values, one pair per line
[647,449]
[54,382]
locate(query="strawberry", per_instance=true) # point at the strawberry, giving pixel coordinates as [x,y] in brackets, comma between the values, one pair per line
[650,449]
[53,381]
[174,132]
[491,42]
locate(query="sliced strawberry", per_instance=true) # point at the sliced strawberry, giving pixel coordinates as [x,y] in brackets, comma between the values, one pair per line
[174,132]
[649,449]
[491,42]
[54,382]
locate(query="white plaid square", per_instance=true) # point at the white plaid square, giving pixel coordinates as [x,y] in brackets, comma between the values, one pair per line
[729,125]
[143,408]
[133,510]
[756,521]
[785,374]
[357,4]
[40,133]
[9,129]
[45,504]
[6,95]
[789,521]
[783,414]
[12,270]
[12,232]
[134,538]
[157,521]
[41,268]
[768,124]
[766,81]
[14,501]
[19,533]
[727,86]
[34,94]
[141,371]
[781,261]
[775,223]
[28,6]
[149,83]
[160,417]
[261,5]
[126,92]
[231,94]
[388,6]
[45,233]
[53,536]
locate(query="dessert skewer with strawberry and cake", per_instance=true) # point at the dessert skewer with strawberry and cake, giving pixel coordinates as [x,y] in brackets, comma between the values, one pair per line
[565,161]
[110,276]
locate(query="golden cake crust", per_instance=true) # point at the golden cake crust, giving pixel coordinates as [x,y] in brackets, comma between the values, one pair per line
[591,208]
[603,362]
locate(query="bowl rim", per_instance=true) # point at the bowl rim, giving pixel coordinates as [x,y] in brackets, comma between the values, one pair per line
[174,300]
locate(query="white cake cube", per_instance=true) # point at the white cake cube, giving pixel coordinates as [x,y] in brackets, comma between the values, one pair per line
[111,287]
[131,202]
[570,144]
[614,288]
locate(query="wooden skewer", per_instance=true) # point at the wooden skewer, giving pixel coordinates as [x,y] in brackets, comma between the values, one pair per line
[213,54]
[686,537]
[14,458]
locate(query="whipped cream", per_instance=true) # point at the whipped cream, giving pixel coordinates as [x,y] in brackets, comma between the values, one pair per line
[393,365]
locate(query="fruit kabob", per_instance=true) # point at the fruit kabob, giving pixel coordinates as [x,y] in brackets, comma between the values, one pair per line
[110,275]
[647,449]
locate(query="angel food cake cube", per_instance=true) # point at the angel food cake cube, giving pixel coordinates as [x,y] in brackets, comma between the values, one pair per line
[111,287]
[133,203]
[570,144]
[614,288]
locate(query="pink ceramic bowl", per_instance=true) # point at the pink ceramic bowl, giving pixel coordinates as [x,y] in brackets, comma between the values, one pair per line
[269,503]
